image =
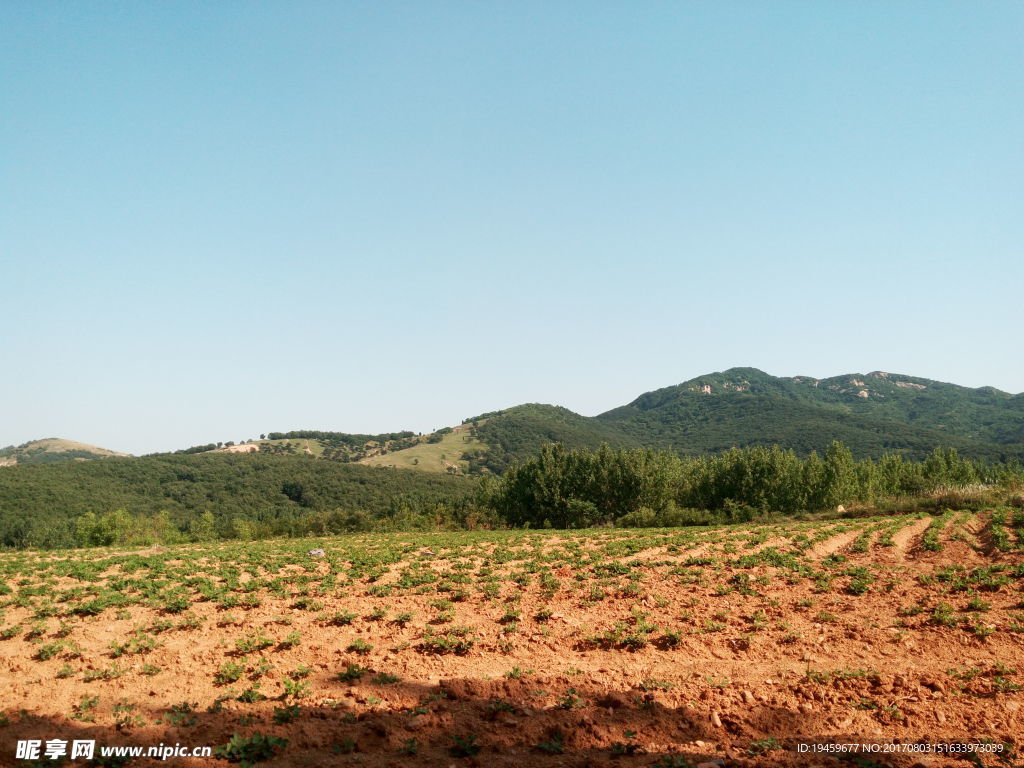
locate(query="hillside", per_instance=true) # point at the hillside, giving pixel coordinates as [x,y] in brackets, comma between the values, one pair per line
[50,450]
[873,414]
[440,451]
[267,495]
[519,433]
[334,446]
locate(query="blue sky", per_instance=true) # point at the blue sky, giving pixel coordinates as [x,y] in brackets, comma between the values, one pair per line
[221,219]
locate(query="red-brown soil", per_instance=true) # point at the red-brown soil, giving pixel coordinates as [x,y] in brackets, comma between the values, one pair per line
[654,648]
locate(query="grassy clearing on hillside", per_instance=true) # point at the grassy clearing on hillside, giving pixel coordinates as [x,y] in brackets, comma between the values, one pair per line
[431,457]
[58,445]
[52,449]
[668,646]
[302,447]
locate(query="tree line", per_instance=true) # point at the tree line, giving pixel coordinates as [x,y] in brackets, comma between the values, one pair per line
[338,438]
[565,488]
[178,498]
[248,496]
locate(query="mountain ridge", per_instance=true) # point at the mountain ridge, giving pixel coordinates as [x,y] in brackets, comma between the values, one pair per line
[872,413]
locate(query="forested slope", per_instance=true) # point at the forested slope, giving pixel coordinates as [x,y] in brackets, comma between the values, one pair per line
[39,503]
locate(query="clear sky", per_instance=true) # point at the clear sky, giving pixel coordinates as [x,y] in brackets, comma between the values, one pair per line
[221,219]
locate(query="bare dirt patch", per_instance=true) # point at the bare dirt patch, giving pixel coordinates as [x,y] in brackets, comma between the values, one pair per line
[907,537]
[833,544]
[243,448]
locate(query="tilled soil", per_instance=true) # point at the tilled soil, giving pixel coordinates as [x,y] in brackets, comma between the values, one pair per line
[722,650]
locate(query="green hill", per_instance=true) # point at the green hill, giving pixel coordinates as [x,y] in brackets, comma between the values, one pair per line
[50,450]
[308,481]
[271,495]
[873,414]
[518,433]
[442,451]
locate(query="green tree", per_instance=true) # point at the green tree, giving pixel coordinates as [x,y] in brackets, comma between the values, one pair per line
[204,527]
[840,477]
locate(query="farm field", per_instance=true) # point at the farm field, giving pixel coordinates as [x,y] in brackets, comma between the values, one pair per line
[603,647]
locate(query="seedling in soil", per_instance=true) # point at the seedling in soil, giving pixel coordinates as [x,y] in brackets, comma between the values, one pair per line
[83,710]
[464,746]
[300,672]
[570,700]
[112,673]
[125,717]
[977,604]
[650,684]
[628,747]
[457,640]
[182,715]
[291,640]
[295,689]
[511,616]
[942,614]
[359,646]
[496,706]
[256,642]
[347,747]
[289,714]
[351,673]
[229,672]
[672,761]
[259,670]
[251,694]
[761,746]
[49,650]
[249,750]
[341,618]
[553,746]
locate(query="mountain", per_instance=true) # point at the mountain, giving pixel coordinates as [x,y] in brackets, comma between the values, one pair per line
[306,481]
[51,450]
[873,414]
